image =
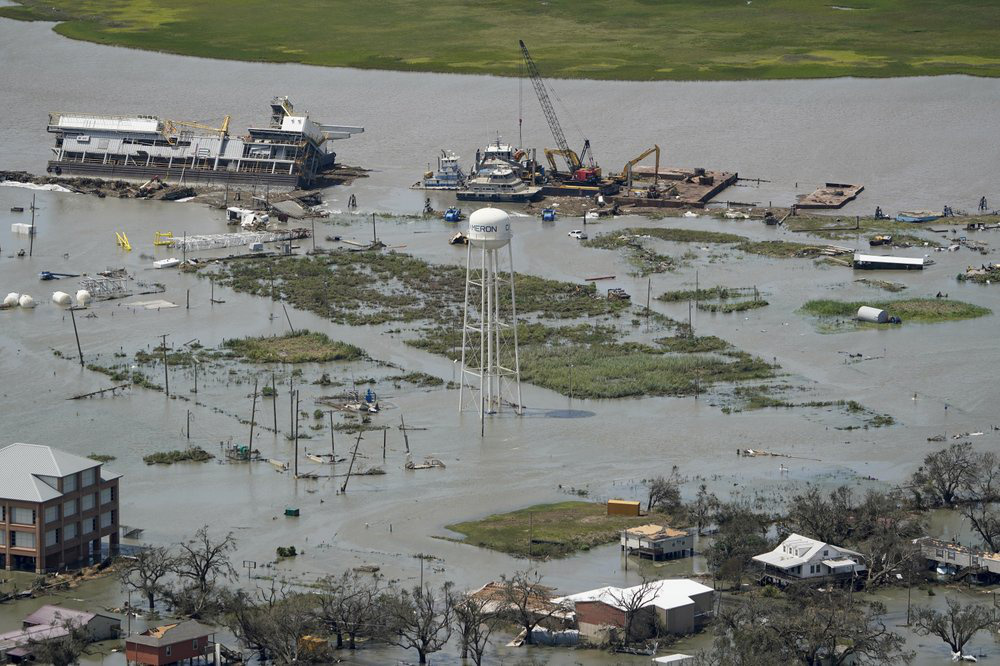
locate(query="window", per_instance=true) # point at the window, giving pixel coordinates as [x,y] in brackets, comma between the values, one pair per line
[91,525]
[167,651]
[89,501]
[69,483]
[89,476]
[106,520]
[70,531]
[3,513]
[825,553]
[22,539]
[22,516]
[105,495]
[194,644]
[51,513]
[69,507]
[51,537]
[3,537]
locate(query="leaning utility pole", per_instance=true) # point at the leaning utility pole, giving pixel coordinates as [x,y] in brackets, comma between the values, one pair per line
[166,376]
[350,467]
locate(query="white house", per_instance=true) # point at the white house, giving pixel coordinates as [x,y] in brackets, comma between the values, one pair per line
[799,558]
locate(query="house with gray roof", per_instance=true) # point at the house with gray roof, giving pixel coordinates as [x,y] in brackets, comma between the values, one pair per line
[56,508]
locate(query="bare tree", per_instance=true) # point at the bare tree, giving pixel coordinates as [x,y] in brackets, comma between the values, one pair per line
[701,509]
[475,625]
[201,562]
[64,650]
[274,623]
[665,492]
[955,626]
[832,628]
[146,571]
[943,475]
[983,490]
[526,602]
[419,619]
[350,604]
[632,601]
[829,519]
[742,534]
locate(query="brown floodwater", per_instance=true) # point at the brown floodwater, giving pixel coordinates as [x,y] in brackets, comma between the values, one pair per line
[933,379]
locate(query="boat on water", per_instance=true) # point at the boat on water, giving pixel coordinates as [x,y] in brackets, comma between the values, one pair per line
[447,176]
[453,215]
[496,182]
[917,216]
[167,263]
[325,458]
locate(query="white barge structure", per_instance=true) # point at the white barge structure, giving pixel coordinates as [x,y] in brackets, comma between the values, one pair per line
[291,151]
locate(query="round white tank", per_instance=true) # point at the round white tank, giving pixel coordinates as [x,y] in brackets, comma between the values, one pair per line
[61,298]
[489,228]
[11,299]
[874,315]
[83,298]
[26,301]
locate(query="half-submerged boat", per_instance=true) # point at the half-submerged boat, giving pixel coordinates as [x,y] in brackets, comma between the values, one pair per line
[917,216]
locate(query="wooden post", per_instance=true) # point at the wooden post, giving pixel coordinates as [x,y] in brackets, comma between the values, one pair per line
[274,404]
[189,425]
[291,408]
[77,335]
[374,235]
[314,234]
[187,305]
[296,465]
[166,375]
[31,232]
[253,414]
[383,443]
[406,439]
[649,289]
[287,318]
[196,364]
[333,444]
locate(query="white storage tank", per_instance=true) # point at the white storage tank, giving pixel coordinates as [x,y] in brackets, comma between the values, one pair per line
[874,315]
[489,228]
[26,301]
[11,299]
[83,298]
[62,298]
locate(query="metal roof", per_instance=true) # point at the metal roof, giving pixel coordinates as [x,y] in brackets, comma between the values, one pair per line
[21,465]
[57,615]
[797,550]
[667,594]
[880,259]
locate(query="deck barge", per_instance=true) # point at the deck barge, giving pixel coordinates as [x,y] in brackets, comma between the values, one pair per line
[831,195]
[680,188]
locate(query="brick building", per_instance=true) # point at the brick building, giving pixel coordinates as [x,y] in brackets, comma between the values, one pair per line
[55,508]
[187,642]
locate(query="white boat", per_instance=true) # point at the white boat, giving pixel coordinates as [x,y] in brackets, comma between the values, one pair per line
[496,182]
[448,175]
[167,263]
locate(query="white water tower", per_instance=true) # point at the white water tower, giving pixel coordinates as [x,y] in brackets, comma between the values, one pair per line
[491,370]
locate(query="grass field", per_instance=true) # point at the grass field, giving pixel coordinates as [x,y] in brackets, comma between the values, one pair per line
[299,347]
[925,310]
[553,530]
[628,39]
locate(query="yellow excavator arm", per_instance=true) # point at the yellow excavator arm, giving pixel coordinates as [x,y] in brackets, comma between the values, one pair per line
[626,174]
[569,154]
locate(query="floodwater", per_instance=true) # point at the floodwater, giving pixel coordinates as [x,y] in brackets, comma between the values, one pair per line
[913,142]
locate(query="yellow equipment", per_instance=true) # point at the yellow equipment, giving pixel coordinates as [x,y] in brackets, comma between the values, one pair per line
[163,238]
[626,174]
[170,127]
[122,241]
[578,171]
[569,154]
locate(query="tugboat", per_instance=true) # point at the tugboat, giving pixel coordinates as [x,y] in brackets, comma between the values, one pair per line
[448,176]
[495,182]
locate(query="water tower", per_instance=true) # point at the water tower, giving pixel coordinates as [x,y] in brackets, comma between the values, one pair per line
[491,370]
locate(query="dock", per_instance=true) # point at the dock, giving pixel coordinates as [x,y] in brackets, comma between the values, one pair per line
[831,195]
[679,188]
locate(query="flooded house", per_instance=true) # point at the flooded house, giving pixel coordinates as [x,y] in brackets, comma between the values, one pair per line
[657,542]
[800,559]
[56,508]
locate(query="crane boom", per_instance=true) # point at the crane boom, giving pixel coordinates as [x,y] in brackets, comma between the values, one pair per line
[547,108]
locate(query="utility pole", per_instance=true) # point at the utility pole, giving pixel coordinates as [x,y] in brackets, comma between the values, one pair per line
[253,414]
[649,289]
[274,404]
[194,362]
[31,232]
[79,350]
[333,444]
[406,439]
[350,468]
[291,407]
[374,235]
[166,376]
[296,464]
[384,430]
[189,425]
[314,234]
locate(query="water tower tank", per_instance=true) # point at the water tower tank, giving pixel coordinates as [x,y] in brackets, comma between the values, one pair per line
[489,228]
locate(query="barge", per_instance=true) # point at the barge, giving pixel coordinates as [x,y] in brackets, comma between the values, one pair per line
[291,151]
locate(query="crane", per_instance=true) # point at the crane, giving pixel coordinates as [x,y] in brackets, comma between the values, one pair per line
[170,126]
[573,160]
[626,174]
